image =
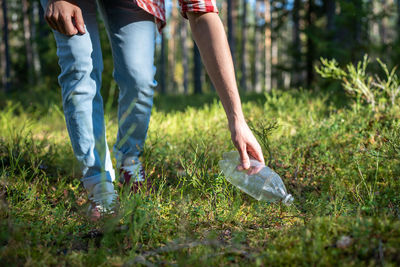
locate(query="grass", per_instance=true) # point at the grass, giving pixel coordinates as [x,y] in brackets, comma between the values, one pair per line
[339,160]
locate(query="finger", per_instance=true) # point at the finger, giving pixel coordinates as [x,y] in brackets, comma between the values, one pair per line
[54,18]
[49,19]
[79,22]
[50,23]
[57,26]
[256,152]
[47,16]
[244,157]
[258,168]
[62,22]
[69,27]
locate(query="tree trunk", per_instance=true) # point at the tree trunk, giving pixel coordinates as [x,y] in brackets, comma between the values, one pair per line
[185,57]
[27,39]
[35,21]
[296,43]
[398,15]
[274,50]
[374,24]
[171,47]
[224,15]
[383,32]
[4,48]
[231,30]
[330,10]
[2,53]
[258,50]
[286,74]
[310,44]
[197,69]
[244,56]
[267,18]
[330,6]
[42,24]
[358,29]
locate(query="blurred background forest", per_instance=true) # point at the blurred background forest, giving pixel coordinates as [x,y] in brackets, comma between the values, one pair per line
[276,44]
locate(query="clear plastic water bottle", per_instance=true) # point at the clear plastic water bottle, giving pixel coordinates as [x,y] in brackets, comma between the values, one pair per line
[260,182]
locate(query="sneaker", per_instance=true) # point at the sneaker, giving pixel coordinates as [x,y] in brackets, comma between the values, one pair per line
[132,174]
[103,201]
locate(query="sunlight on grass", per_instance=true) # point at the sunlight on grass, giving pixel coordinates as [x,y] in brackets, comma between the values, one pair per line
[341,164]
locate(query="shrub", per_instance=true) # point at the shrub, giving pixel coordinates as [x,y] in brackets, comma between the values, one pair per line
[364,86]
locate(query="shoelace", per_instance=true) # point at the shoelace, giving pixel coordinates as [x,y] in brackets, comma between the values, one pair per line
[135,170]
[104,202]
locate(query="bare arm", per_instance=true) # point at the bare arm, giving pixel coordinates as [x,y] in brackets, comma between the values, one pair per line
[210,37]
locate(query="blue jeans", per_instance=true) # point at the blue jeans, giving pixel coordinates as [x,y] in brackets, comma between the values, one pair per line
[131,32]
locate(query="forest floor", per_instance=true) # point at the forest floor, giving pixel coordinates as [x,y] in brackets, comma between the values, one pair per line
[338,159]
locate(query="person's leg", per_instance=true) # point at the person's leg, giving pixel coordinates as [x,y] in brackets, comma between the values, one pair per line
[81,66]
[132,35]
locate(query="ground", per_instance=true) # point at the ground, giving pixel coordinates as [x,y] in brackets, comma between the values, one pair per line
[339,160]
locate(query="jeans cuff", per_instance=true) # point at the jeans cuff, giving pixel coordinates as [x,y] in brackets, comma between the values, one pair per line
[91,181]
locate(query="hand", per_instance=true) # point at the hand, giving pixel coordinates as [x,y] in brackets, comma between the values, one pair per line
[246,144]
[65,16]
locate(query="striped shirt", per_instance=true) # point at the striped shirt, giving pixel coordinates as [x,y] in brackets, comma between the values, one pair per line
[157,8]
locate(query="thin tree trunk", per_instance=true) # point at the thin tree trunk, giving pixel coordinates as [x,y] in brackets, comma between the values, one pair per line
[185,57]
[383,32]
[286,75]
[197,70]
[358,28]
[43,31]
[2,53]
[268,65]
[244,56]
[374,24]
[330,15]
[296,44]
[345,37]
[330,10]
[258,50]
[4,47]
[231,31]
[398,15]
[171,47]
[27,39]
[35,21]
[310,44]
[274,49]
[225,15]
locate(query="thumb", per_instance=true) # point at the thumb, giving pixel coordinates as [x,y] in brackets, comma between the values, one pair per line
[79,23]
[244,158]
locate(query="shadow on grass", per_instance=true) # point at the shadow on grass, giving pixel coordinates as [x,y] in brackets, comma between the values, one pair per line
[40,100]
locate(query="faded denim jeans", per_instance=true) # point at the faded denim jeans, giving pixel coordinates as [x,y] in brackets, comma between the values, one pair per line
[131,32]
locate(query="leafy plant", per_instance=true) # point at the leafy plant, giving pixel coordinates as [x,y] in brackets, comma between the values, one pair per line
[358,82]
[262,129]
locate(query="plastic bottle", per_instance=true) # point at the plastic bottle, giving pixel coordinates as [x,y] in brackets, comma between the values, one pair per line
[262,183]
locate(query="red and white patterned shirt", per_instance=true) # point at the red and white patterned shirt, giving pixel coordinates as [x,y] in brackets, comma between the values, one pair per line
[157,8]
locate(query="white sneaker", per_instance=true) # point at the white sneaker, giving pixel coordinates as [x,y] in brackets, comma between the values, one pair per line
[103,200]
[132,174]
[132,171]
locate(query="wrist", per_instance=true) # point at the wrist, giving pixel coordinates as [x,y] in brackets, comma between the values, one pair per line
[236,119]
[234,112]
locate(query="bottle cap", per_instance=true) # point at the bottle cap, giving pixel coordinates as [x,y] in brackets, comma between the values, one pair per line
[288,200]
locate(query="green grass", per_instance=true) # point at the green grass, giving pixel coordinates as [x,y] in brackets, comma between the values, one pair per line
[338,159]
